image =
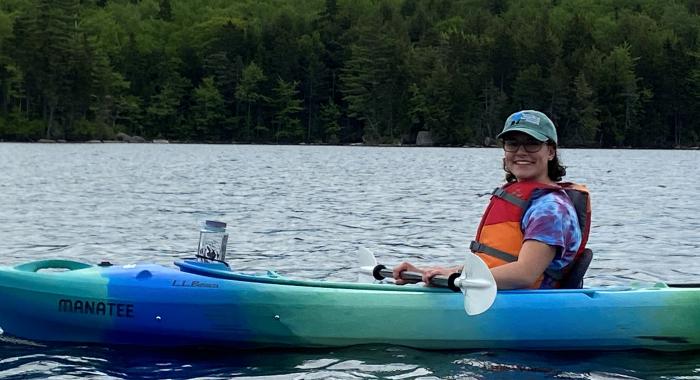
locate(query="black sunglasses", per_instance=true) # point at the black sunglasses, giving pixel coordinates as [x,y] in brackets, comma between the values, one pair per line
[530,146]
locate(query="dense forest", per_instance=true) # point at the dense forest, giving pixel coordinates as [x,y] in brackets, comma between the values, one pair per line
[608,72]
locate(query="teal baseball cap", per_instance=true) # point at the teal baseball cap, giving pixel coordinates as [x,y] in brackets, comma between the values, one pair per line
[534,123]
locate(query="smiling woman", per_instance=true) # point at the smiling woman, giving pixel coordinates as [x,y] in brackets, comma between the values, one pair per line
[535,229]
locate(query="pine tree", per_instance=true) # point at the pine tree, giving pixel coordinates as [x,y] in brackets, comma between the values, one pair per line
[619,96]
[438,119]
[313,71]
[287,108]
[55,59]
[329,119]
[583,124]
[249,92]
[371,81]
[207,111]
[163,110]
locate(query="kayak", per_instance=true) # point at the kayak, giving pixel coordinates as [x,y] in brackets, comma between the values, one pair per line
[208,304]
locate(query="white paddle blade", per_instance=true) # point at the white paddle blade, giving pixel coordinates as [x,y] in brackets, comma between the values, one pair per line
[367,264]
[477,284]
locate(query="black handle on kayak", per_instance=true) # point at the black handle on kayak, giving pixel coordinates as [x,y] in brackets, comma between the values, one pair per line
[381,272]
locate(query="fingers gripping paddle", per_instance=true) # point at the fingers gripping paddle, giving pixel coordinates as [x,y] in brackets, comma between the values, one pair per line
[475,282]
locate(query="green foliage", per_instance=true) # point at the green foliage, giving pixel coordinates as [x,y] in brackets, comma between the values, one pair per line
[162,114]
[207,111]
[249,92]
[165,10]
[5,26]
[618,90]
[609,73]
[16,127]
[85,130]
[438,104]
[584,121]
[330,116]
[287,107]
[372,80]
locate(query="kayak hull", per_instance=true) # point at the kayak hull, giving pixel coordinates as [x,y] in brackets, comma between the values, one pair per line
[209,305]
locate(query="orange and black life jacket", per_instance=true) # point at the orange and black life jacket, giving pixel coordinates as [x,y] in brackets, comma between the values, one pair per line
[500,237]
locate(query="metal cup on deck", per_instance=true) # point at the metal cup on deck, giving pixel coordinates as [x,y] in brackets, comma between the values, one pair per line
[212,242]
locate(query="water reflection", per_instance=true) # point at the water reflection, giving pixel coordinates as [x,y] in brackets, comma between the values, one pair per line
[360,362]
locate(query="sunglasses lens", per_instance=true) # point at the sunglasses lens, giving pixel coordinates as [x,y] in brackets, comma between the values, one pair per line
[532,146]
[512,146]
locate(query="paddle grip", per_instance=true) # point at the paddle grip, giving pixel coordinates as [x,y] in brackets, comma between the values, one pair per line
[380,272]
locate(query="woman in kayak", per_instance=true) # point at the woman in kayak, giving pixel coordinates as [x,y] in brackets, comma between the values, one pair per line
[531,232]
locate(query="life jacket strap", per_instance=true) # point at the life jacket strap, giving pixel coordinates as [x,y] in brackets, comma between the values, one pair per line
[475,247]
[510,198]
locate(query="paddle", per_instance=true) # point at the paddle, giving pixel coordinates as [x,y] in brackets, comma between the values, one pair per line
[475,282]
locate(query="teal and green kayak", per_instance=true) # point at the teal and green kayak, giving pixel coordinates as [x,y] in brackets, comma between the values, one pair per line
[207,304]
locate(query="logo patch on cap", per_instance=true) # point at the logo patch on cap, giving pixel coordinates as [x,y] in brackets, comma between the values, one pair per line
[532,119]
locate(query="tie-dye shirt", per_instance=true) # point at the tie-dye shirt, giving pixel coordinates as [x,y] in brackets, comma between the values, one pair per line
[551,219]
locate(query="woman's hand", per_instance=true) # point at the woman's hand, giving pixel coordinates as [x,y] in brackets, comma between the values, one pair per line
[404,267]
[428,273]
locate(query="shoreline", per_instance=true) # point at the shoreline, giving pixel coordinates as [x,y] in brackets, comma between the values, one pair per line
[178,142]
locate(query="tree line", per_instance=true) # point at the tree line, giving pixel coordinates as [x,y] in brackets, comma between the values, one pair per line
[608,72]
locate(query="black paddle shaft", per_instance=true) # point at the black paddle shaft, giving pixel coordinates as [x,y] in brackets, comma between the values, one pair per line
[380,272]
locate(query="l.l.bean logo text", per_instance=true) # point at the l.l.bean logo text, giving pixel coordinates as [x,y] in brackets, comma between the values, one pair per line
[193,284]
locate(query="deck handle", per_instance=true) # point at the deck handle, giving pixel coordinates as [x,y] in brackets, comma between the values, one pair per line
[38,265]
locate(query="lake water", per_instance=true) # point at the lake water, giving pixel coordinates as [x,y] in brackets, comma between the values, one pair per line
[304,211]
